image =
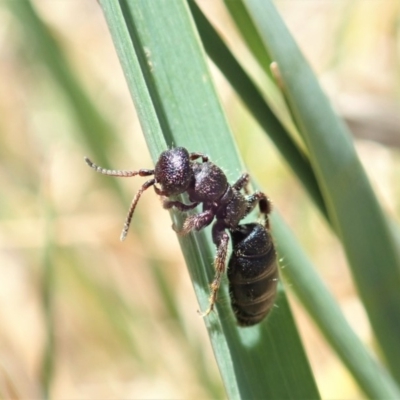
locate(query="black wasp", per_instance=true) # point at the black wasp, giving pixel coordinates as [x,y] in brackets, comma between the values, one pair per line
[252,268]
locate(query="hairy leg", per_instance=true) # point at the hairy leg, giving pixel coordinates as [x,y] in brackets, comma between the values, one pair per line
[196,222]
[242,183]
[264,205]
[221,240]
[167,204]
[195,156]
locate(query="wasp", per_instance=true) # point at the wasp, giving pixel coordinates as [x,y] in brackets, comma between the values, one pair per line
[252,268]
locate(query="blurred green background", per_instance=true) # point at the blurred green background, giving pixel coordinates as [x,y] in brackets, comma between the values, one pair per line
[85,316]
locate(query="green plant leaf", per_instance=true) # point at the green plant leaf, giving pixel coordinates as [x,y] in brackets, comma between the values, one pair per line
[372,378]
[257,105]
[249,33]
[352,206]
[177,105]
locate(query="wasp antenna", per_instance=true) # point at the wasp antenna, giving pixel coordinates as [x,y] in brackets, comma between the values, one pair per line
[117,172]
[132,207]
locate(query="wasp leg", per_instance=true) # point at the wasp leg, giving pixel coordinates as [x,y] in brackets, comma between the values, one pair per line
[167,204]
[242,183]
[195,156]
[221,240]
[196,222]
[264,205]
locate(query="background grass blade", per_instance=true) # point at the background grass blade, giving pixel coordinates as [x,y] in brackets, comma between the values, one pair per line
[351,203]
[249,33]
[168,78]
[372,378]
[257,105]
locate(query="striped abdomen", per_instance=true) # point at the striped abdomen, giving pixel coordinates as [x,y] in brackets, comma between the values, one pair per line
[252,273]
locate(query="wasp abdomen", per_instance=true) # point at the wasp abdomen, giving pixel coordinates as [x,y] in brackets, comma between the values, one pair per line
[252,274]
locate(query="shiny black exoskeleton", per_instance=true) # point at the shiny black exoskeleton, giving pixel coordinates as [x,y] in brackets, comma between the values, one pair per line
[177,172]
[252,273]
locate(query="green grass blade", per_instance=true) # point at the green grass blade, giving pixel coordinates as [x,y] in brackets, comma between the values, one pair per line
[257,106]
[375,382]
[352,205]
[322,307]
[249,33]
[177,105]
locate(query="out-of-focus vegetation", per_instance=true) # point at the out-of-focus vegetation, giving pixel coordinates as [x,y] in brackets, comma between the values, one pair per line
[85,316]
